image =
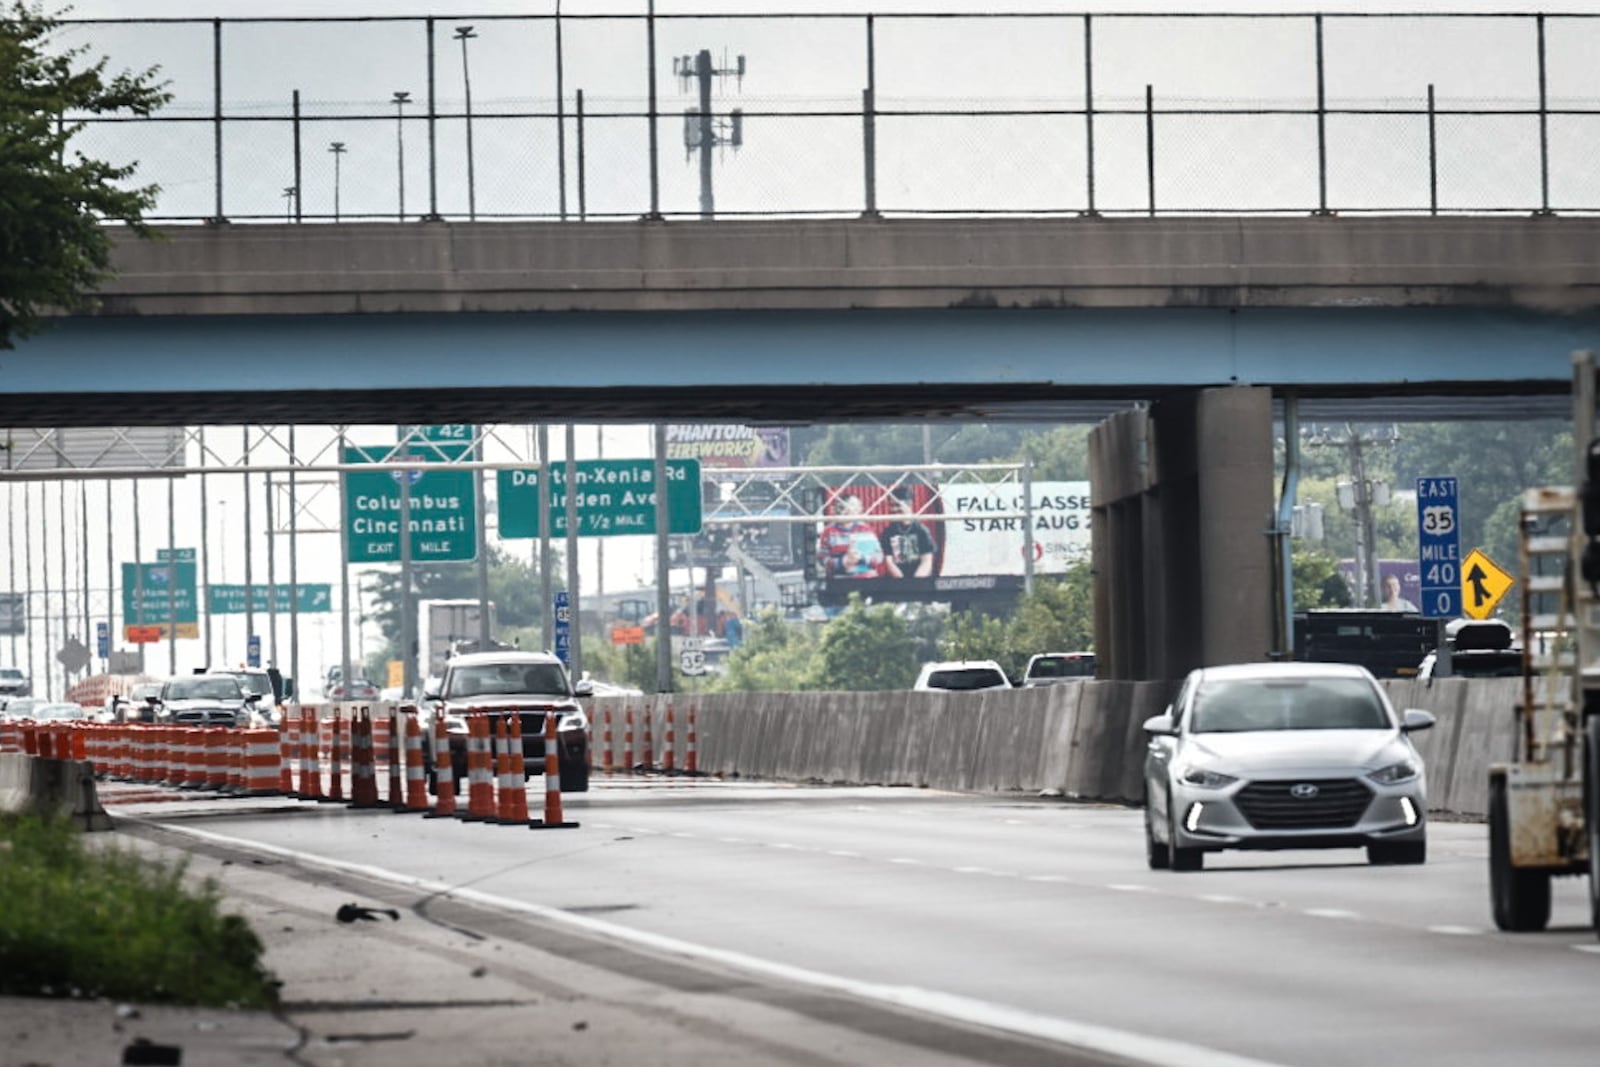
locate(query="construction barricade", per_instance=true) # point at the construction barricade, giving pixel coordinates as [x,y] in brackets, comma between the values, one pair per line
[363,763]
[480,769]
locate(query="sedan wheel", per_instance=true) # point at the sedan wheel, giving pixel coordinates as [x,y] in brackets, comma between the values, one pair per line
[1157,854]
[1182,859]
[1397,853]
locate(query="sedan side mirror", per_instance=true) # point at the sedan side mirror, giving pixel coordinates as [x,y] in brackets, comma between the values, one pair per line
[1161,725]
[1416,719]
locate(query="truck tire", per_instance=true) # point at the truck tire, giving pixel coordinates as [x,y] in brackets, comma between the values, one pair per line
[1520,897]
[1591,813]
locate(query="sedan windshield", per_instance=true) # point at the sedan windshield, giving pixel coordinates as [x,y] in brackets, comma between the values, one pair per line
[1239,705]
[508,679]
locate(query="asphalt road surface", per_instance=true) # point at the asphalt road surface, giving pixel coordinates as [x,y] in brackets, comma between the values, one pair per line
[1029,917]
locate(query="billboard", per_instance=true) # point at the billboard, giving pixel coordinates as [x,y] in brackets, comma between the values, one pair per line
[978,540]
[950,543]
[721,444]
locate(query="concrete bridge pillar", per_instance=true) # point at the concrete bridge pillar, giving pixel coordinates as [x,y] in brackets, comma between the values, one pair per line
[1182,495]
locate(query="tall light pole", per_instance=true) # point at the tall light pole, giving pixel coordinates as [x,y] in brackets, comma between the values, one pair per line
[338,150]
[465,34]
[288,203]
[401,99]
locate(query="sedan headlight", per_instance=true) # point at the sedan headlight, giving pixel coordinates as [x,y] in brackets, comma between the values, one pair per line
[1395,773]
[1206,779]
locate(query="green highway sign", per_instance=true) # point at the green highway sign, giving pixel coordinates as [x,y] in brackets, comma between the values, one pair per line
[457,432]
[163,592]
[230,599]
[444,518]
[615,497]
[167,555]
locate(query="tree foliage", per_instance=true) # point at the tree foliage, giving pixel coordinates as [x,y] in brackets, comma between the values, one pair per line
[776,657]
[867,648]
[1057,616]
[53,199]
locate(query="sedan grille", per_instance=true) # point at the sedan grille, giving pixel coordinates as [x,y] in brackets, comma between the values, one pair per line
[1304,803]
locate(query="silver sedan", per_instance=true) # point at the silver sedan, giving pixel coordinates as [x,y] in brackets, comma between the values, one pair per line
[1283,755]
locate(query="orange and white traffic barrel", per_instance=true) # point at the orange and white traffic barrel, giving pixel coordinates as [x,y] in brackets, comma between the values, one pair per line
[310,755]
[606,754]
[261,757]
[336,757]
[416,772]
[288,735]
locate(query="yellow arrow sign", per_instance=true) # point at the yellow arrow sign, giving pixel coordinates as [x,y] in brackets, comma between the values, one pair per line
[1483,584]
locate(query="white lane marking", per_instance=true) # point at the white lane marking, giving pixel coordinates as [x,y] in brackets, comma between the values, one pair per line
[1055,878]
[1151,1051]
[1331,913]
[679,833]
[846,853]
[907,860]
[643,830]
[791,848]
[1458,931]
[974,870]
[732,840]
[1586,948]
[1220,898]
[1129,887]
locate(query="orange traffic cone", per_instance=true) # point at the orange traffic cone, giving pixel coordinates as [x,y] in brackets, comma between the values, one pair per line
[514,782]
[444,773]
[416,774]
[480,770]
[553,819]
[363,763]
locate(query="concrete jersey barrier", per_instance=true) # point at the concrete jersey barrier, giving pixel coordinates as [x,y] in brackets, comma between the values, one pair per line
[1081,739]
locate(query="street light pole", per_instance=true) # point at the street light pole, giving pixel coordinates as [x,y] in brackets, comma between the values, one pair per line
[338,150]
[401,98]
[465,34]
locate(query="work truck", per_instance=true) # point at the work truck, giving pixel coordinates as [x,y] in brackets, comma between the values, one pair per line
[1544,804]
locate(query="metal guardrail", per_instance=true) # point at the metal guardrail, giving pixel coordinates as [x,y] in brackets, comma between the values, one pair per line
[583,117]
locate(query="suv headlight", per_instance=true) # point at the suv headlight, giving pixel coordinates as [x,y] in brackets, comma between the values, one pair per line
[1206,779]
[1395,773]
[572,720]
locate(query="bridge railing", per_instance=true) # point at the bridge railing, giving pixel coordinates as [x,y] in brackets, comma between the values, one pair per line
[595,117]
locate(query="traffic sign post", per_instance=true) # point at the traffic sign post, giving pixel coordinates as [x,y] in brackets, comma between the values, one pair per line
[1439,558]
[253,651]
[615,497]
[1439,547]
[563,633]
[102,640]
[1483,584]
[443,505]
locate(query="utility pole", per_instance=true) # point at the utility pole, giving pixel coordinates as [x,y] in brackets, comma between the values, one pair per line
[703,129]
[1359,497]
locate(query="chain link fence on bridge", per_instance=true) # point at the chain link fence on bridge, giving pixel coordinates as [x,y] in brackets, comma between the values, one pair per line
[596,117]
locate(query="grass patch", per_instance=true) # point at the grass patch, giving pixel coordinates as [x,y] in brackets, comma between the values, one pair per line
[78,922]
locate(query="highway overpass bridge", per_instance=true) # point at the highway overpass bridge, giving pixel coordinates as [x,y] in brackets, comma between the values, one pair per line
[1188,333]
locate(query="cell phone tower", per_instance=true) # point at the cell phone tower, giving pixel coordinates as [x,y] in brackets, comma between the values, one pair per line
[704,129]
